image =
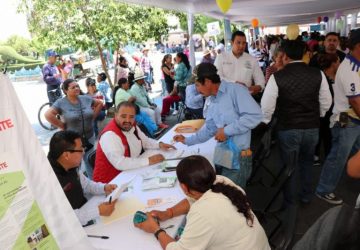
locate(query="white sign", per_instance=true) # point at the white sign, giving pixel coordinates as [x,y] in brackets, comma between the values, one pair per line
[213,29]
[34,211]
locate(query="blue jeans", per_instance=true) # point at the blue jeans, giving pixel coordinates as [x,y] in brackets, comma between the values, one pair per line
[53,96]
[343,141]
[163,87]
[148,79]
[303,142]
[101,116]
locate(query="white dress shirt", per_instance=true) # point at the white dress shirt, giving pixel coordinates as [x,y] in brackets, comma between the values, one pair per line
[244,69]
[114,150]
[214,223]
[271,93]
[86,212]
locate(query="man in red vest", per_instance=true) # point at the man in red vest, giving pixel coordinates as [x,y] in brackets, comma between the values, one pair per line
[120,145]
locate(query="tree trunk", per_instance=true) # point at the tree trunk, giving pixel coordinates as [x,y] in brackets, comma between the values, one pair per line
[103,63]
[116,63]
[96,40]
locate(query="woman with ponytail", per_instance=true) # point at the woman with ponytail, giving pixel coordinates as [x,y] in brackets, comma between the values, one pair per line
[218,212]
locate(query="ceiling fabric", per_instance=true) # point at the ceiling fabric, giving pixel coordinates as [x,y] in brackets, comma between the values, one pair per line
[269,12]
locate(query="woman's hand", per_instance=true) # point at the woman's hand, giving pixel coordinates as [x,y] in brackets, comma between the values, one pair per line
[161,215]
[51,115]
[150,225]
[97,105]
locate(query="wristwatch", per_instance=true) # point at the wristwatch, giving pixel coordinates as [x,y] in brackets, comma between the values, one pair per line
[156,234]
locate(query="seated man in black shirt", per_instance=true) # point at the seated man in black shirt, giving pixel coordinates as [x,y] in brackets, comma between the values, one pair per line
[65,154]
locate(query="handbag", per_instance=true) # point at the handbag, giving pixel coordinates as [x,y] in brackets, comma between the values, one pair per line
[227,155]
[85,142]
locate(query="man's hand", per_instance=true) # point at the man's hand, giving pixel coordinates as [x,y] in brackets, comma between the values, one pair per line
[179,138]
[161,215]
[108,188]
[106,208]
[165,146]
[220,135]
[149,226]
[254,89]
[156,159]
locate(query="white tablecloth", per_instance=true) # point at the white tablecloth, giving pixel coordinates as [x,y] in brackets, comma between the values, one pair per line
[123,235]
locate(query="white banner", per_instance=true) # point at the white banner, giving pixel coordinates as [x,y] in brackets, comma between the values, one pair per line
[213,29]
[34,211]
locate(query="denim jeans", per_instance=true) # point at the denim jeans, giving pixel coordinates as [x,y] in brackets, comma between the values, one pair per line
[163,87]
[343,141]
[303,143]
[238,176]
[148,79]
[101,116]
[51,96]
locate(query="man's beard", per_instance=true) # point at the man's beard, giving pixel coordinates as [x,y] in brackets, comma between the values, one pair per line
[126,129]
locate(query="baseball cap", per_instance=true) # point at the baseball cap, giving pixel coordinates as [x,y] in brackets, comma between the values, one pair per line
[51,53]
[354,37]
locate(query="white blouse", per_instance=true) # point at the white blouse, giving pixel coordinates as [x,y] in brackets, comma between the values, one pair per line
[214,223]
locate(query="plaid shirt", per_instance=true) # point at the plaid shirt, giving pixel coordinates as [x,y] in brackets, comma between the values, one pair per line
[145,64]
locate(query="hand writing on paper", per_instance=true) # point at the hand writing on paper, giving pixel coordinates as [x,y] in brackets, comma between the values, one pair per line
[108,188]
[150,225]
[106,208]
[220,135]
[156,159]
[179,138]
[165,146]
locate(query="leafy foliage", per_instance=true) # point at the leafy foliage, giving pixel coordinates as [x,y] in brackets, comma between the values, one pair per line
[85,24]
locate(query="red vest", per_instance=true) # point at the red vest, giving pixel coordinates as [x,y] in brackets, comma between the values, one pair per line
[104,171]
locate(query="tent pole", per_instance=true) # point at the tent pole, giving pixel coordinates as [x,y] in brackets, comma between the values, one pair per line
[190,20]
[227,33]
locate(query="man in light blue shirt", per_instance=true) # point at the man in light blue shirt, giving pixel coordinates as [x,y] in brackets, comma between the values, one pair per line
[231,115]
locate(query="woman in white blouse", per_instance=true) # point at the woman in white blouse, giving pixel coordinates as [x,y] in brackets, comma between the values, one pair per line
[218,212]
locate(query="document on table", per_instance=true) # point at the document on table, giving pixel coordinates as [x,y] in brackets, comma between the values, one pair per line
[125,206]
[119,190]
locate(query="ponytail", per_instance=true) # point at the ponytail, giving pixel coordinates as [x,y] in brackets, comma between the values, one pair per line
[197,174]
[238,199]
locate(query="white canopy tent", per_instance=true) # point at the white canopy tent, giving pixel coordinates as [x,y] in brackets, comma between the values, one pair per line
[268,12]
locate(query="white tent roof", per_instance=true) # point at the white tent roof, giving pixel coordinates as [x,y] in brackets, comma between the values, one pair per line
[269,12]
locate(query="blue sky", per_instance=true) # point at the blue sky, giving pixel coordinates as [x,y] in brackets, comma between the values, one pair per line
[11,22]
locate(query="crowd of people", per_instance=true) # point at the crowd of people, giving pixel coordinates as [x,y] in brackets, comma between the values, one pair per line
[308,85]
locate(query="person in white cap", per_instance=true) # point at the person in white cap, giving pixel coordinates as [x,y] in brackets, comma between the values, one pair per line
[143,100]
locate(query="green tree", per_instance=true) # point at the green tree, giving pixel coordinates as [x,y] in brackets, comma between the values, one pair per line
[85,24]
[200,22]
